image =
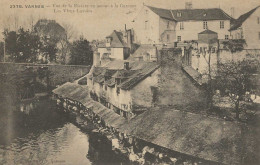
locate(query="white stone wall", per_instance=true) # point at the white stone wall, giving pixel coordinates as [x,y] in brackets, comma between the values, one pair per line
[192,28]
[117,53]
[251,30]
[165,30]
[150,34]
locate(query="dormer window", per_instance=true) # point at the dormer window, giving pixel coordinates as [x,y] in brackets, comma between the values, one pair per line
[179,14]
[108,41]
[205,14]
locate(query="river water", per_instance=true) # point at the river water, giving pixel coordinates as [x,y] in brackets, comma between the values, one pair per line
[45,136]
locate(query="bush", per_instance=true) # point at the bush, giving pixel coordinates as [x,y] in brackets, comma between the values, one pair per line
[83,81]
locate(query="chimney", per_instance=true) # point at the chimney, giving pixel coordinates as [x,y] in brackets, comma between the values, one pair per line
[96,59]
[126,66]
[188,5]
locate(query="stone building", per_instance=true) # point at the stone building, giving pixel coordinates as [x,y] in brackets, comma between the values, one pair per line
[164,26]
[127,87]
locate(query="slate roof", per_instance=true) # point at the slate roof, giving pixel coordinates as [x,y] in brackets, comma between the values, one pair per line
[117,40]
[138,71]
[191,14]
[79,93]
[196,135]
[187,133]
[238,22]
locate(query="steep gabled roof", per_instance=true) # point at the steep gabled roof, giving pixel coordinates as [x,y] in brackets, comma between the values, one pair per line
[208,32]
[238,22]
[164,13]
[191,14]
[117,40]
[138,71]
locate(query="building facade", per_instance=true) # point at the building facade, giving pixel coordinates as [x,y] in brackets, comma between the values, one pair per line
[165,26]
[126,87]
[117,46]
[247,27]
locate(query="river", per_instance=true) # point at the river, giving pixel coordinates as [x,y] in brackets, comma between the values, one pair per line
[45,136]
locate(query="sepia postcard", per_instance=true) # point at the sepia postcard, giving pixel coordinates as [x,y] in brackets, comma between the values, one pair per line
[129,82]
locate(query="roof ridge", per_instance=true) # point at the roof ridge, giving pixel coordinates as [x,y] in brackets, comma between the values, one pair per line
[242,18]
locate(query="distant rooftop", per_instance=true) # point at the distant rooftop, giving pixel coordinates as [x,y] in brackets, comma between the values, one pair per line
[238,22]
[191,14]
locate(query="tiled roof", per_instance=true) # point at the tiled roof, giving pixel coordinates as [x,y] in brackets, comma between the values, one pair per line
[140,75]
[123,73]
[191,14]
[117,40]
[238,22]
[138,71]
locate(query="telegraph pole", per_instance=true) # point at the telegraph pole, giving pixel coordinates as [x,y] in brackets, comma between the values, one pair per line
[4,49]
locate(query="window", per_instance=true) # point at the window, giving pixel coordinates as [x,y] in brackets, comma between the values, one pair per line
[226,37]
[258,20]
[105,87]
[259,35]
[146,11]
[179,14]
[179,38]
[181,26]
[168,25]
[222,25]
[168,37]
[146,25]
[205,25]
[213,50]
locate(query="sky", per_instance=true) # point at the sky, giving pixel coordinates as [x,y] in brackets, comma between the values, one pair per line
[106,16]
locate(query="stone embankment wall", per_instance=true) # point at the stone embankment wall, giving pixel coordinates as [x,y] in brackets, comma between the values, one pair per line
[59,74]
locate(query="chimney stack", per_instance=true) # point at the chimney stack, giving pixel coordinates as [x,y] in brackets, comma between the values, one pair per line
[188,5]
[126,66]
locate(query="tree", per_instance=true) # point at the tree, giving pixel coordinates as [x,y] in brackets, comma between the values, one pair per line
[49,48]
[81,52]
[22,46]
[236,79]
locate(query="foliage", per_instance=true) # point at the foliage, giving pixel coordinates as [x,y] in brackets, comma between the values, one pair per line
[22,46]
[236,79]
[81,52]
[234,45]
[49,48]
[1,51]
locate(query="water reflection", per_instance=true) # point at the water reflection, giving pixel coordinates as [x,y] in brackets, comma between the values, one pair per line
[66,145]
[48,137]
